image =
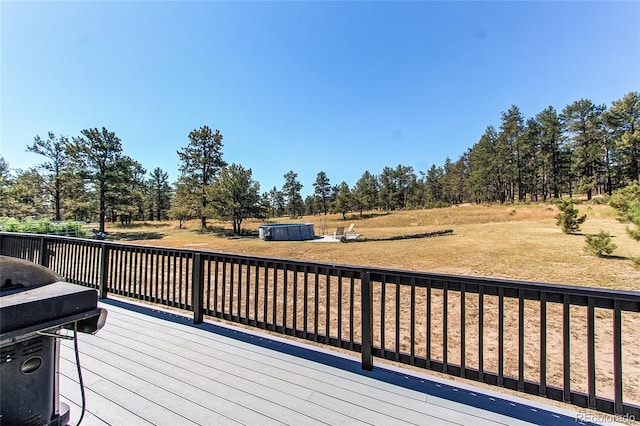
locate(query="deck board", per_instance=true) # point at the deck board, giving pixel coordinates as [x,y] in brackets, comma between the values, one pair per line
[149,367]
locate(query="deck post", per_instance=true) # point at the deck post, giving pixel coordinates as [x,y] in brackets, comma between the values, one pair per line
[104,271]
[198,289]
[44,253]
[367,319]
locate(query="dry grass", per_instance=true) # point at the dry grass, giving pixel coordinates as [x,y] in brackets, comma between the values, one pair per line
[516,242]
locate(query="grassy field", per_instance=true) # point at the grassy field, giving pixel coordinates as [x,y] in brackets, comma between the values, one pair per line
[517,241]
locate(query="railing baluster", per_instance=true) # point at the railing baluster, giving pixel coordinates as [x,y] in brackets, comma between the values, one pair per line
[155,265]
[295,301]
[543,343]
[163,276]
[339,307]
[327,307]
[521,340]
[104,272]
[366,305]
[134,272]
[591,353]
[231,285]
[265,304]
[224,287]
[397,325]
[76,262]
[143,285]
[445,326]
[316,301]
[463,319]
[274,313]
[617,357]
[247,292]
[501,336]
[428,326]
[239,304]
[412,324]
[305,299]
[188,280]
[352,307]
[383,309]
[481,333]
[216,270]
[566,349]
[181,282]
[198,289]
[285,284]
[256,292]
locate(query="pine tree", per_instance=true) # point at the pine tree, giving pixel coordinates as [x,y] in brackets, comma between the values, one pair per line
[201,163]
[568,218]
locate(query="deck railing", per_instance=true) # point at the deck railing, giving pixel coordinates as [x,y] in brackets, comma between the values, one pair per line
[566,343]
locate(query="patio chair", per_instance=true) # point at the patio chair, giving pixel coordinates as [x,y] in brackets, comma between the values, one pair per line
[350,233]
[339,234]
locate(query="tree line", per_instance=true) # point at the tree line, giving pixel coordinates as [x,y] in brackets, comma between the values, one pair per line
[585,149]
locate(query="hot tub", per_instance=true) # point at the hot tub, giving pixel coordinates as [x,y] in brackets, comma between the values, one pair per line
[287,232]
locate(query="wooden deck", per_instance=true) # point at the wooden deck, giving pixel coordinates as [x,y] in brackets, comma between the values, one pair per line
[153,367]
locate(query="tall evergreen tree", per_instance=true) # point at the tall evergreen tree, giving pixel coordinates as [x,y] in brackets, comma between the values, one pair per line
[344,200]
[201,162]
[322,191]
[7,199]
[235,195]
[277,202]
[185,204]
[365,192]
[291,190]
[580,120]
[30,201]
[433,186]
[624,119]
[126,195]
[54,171]
[99,154]
[159,193]
[552,164]
[511,151]
[387,192]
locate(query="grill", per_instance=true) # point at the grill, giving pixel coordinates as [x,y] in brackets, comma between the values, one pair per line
[35,304]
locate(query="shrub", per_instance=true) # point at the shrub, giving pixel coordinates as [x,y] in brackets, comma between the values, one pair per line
[568,218]
[31,226]
[600,244]
[627,202]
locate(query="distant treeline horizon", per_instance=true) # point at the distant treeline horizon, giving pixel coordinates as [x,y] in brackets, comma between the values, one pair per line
[585,149]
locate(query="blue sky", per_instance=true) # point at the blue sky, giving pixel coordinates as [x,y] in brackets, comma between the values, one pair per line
[339,87]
